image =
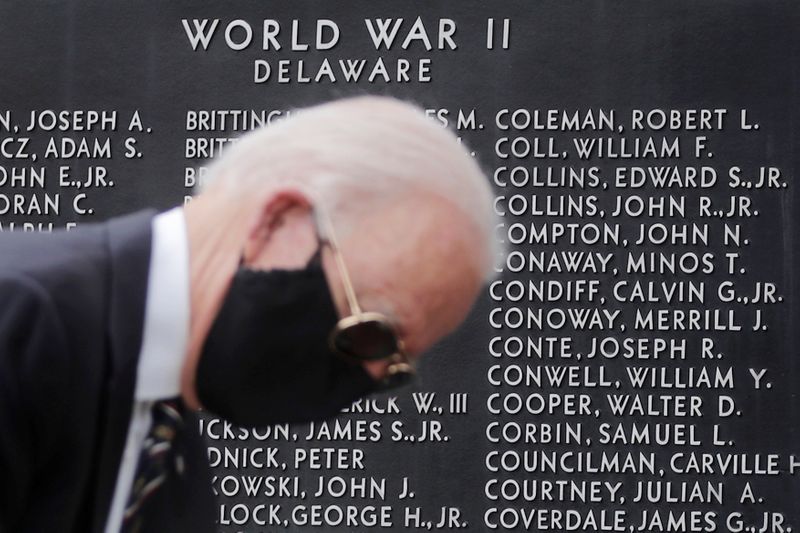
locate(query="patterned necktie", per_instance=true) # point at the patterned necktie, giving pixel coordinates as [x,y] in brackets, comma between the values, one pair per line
[156,461]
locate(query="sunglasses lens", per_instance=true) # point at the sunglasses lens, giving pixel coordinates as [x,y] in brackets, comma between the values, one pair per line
[370,339]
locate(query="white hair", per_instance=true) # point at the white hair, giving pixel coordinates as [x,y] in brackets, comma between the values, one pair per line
[373,149]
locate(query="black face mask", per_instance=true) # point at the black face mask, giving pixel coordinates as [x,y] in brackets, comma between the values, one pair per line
[266,359]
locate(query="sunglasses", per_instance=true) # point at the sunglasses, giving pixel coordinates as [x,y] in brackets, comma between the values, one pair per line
[365,336]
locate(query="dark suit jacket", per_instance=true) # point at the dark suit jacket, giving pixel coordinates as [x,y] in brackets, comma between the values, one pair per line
[71,317]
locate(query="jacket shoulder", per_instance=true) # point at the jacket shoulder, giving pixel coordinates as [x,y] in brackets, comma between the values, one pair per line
[33,366]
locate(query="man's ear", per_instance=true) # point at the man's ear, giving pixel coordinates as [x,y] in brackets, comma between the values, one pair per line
[277,209]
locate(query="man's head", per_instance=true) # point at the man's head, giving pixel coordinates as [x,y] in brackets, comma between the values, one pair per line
[411,210]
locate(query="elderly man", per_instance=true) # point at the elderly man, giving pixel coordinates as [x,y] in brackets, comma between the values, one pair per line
[323,256]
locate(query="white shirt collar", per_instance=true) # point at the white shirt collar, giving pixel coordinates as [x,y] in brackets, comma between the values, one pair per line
[166,319]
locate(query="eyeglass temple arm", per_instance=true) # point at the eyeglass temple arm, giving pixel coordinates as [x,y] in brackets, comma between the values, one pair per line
[330,237]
